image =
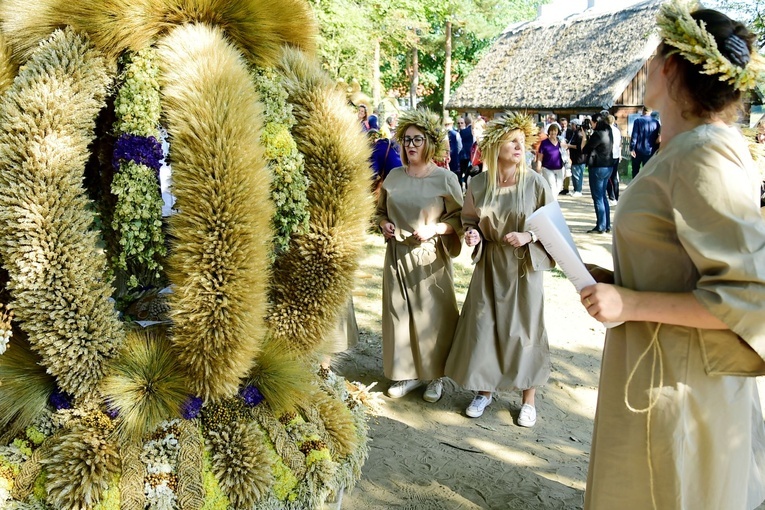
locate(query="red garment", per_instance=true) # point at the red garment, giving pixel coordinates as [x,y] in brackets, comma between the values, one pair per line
[475,155]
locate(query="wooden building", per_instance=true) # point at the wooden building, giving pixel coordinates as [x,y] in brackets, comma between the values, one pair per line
[571,67]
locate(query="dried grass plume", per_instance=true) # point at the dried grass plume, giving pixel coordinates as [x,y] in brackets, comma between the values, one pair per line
[258,27]
[61,298]
[219,259]
[242,462]
[312,281]
[143,384]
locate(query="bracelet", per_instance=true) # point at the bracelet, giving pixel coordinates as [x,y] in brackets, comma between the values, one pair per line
[534,237]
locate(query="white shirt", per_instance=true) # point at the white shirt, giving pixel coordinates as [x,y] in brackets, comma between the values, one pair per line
[617,142]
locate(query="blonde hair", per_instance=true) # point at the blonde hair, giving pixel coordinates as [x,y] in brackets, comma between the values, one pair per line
[490,153]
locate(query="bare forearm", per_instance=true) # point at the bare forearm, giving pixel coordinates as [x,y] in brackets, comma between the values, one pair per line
[681,309]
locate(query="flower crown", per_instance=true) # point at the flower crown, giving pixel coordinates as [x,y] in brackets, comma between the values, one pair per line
[429,123]
[690,39]
[497,129]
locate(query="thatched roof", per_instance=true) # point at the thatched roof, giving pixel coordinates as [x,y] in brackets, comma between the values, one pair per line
[584,61]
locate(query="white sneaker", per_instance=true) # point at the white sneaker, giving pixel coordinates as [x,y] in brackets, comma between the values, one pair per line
[612,203]
[528,416]
[434,391]
[400,388]
[478,405]
[576,194]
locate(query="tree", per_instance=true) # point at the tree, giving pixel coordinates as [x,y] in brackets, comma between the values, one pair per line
[747,11]
[404,45]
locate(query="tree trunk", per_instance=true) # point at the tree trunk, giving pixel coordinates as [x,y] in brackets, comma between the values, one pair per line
[415,78]
[447,68]
[376,96]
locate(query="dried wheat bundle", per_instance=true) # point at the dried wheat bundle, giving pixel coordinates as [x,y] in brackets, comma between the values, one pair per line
[312,281]
[219,261]
[56,270]
[259,27]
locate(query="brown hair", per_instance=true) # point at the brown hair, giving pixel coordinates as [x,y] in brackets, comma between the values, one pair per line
[708,96]
[428,148]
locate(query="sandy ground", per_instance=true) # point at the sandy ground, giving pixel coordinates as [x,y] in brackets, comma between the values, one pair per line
[432,457]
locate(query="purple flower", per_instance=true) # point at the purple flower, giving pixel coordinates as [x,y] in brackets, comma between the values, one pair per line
[139,149]
[251,395]
[191,408]
[112,413]
[60,400]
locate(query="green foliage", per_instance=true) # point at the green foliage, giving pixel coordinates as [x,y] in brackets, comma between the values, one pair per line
[39,491]
[110,499]
[35,436]
[137,102]
[137,217]
[215,498]
[349,29]
[750,13]
[138,224]
[288,182]
[285,480]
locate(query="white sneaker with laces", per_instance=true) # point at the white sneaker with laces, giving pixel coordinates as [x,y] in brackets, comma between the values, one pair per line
[528,416]
[400,388]
[434,391]
[576,194]
[478,405]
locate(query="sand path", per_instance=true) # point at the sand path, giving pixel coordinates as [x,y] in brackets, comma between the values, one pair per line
[432,457]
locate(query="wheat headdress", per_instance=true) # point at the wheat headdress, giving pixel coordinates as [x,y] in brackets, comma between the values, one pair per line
[429,123]
[497,129]
[690,39]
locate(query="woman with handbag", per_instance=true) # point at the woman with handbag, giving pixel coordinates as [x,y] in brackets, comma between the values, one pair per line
[677,426]
[549,160]
[500,343]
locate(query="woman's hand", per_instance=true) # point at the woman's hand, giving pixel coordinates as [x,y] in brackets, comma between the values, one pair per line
[607,303]
[601,274]
[472,237]
[517,239]
[425,232]
[388,229]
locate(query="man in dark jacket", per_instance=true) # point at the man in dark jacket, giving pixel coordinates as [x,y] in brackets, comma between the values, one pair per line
[455,146]
[644,141]
[466,133]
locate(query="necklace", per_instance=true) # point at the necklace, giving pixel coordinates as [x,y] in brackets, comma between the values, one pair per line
[508,178]
[410,173]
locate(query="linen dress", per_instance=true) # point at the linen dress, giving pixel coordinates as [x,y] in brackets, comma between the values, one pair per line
[500,343]
[419,306]
[689,222]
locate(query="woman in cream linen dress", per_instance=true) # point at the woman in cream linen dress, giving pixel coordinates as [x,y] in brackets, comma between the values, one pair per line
[689,259]
[501,342]
[419,305]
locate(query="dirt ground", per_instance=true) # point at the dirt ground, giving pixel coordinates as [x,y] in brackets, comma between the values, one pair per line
[433,457]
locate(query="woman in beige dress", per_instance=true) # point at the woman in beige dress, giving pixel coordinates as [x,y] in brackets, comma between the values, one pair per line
[419,213]
[677,426]
[501,343]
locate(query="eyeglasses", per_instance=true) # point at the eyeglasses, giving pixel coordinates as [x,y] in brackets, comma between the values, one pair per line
[416,141]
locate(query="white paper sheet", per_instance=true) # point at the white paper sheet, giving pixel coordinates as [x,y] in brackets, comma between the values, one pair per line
[551,228]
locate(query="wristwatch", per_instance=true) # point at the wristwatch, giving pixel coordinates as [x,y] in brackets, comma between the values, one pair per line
[534,237]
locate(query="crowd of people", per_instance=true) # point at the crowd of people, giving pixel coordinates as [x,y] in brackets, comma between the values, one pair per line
[678,422]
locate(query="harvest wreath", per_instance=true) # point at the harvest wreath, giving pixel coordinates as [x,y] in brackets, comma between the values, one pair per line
[186,386]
